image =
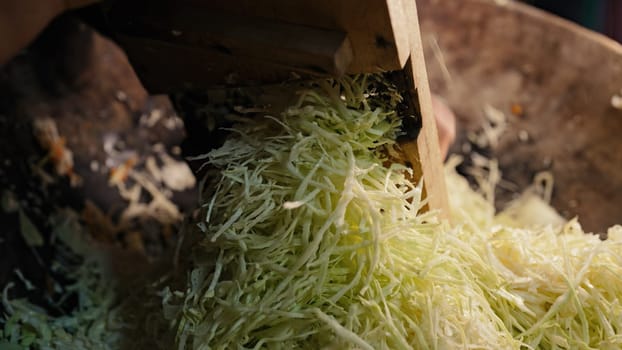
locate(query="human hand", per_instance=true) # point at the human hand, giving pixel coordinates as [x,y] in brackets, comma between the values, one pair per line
[445,124]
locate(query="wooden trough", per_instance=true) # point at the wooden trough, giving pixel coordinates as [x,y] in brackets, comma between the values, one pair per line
[552,79]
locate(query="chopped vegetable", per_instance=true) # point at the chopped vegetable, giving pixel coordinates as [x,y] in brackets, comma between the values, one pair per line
[307,240]
[91,324]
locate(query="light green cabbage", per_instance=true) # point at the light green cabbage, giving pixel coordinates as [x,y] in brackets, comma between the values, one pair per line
[309,240]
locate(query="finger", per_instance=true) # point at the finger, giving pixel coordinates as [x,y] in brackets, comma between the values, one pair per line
[445,124]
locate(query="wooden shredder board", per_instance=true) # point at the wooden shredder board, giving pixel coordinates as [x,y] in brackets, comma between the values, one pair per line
[193,44]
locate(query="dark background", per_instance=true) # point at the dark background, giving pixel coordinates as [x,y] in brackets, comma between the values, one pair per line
[604,16]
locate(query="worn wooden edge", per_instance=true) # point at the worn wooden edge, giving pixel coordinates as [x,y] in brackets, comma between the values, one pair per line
[400,23]
[425,152]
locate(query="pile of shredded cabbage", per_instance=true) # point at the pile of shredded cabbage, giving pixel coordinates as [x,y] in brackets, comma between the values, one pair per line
[94,308]
[93,322]
[310,239]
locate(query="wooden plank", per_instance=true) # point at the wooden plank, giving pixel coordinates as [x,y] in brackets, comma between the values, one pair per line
[165,37]
[298,46]
[367,23]
[293,35]
[424,154]
[196,68]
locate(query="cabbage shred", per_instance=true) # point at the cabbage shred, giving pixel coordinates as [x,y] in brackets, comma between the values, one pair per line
[310,239]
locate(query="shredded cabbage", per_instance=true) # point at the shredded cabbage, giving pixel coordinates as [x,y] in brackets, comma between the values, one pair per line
[91,325]
[308,239]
